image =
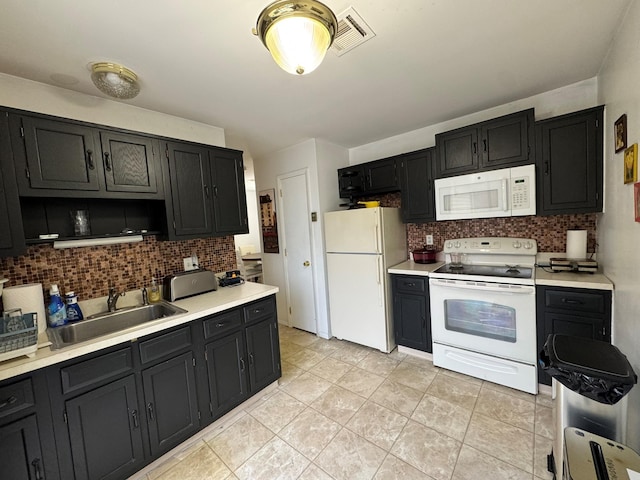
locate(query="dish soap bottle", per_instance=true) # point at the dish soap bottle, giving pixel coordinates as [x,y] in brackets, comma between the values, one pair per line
[56,310]
[73,309]
[154,291]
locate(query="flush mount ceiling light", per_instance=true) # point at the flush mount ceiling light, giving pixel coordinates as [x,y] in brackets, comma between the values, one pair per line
[115,80]
[297,33]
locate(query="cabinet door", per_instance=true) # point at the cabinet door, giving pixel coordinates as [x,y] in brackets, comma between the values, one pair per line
[410,319]
[263,352]
[20,454]
[11,230]
[171,402]
[104,430]
[569,161]
[457,152]
[59,155]
[381,176]
[418,195]
[226,369]
[129,163]
[190,190]
[229,197]
[506,141]
[351,181]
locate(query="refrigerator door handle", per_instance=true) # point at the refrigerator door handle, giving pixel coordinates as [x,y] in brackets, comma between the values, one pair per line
[378,238]
[380,289]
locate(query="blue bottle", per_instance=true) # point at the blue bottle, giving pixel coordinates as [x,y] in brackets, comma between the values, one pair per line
[73,309]
[56,310]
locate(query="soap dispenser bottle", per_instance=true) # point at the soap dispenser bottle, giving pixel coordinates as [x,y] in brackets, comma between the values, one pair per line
[154,291]
[56,310]
[73,309]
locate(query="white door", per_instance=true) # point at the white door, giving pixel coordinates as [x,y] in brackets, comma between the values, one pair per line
[296,239]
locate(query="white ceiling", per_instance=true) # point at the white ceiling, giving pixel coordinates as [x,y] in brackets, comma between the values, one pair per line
[431,61]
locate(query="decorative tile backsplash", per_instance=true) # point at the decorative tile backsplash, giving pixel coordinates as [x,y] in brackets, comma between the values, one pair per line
[89,271]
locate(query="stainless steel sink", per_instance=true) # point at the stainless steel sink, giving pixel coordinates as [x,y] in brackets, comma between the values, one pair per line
[109,322]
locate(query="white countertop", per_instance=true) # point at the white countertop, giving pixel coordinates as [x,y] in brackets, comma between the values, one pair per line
[197,307]
[595,281]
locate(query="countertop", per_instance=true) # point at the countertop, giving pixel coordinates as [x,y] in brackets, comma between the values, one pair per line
[596,281]
[197,307]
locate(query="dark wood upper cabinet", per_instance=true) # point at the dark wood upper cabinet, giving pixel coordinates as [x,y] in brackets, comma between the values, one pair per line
[381,176]
[351,181]
[229,196]
[569,161]
[11,229]
[59,155]
[129,162]
[502,142]
[416,186]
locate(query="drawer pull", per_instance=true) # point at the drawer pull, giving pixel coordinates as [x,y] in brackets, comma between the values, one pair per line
[571,301]
[411,284]
[257,310]
[9,401]
[221,324]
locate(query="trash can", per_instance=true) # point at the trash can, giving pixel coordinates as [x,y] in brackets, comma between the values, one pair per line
[592,379]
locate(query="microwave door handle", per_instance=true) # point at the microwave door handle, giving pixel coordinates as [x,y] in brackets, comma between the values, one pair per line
[505,195]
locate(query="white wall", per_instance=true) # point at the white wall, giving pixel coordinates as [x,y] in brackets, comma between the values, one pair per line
[618,233]
[567,99]
[37,97]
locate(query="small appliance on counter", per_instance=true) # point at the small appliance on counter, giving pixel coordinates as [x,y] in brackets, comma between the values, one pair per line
[187,284]
[573,265]
[231,279]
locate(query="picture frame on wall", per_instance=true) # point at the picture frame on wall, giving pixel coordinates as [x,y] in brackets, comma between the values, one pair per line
[636,200]
[620,130]
[631,164]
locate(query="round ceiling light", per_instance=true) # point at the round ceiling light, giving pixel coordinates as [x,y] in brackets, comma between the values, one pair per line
[115,80]
[297,33]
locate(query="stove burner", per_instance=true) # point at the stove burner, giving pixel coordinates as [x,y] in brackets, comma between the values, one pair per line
[456,266]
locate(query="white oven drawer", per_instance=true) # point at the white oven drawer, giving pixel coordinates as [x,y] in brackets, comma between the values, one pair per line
[497,370]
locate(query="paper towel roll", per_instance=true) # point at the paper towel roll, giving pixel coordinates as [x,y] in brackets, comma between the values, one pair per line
[29,298]
[577,244]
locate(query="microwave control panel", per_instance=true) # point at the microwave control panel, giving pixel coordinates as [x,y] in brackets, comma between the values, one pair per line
[523,190]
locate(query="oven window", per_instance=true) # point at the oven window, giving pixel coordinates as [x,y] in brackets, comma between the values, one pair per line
[482,319]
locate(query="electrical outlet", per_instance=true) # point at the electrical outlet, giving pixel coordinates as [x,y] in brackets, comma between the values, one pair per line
[429,240]
[188,264]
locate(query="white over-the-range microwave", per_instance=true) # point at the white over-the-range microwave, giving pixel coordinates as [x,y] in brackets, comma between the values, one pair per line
[497,193]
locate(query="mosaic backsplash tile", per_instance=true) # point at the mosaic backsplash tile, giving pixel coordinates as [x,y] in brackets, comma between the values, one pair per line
[89,271]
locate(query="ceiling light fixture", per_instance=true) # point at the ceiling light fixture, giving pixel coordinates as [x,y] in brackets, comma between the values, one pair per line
[115,80]
[297,33]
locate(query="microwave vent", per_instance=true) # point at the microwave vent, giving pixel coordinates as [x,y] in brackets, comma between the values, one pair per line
[352,31]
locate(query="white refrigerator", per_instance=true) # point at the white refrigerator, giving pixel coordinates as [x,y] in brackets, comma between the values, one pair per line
[361,244]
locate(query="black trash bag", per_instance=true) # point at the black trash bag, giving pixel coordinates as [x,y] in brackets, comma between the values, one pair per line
[594,369]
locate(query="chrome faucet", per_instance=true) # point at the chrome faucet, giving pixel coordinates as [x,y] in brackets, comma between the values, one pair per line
[112,299]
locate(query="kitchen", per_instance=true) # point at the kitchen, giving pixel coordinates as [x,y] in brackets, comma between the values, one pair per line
[614,231]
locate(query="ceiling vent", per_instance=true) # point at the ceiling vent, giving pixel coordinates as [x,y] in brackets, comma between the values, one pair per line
[352,31]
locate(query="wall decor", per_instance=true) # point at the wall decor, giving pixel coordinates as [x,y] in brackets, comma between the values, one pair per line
[269,221]
[631,164]
[620,130]
[636,200]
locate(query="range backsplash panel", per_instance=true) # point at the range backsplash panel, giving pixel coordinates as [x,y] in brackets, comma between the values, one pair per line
[89,271]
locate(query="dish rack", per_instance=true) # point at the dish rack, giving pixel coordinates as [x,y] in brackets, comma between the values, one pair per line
[19,336]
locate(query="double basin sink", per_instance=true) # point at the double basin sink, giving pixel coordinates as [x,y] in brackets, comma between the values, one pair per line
[109,322]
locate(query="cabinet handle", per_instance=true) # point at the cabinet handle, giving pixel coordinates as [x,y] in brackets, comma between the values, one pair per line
[90,160]
[215,190]
[484,143]
[206,191]
[107,162]
[242,364]
[150,410]
[36,469]
[546,167]
[251,359]
[136,423]
[475,148]
[12,399]
[571,301]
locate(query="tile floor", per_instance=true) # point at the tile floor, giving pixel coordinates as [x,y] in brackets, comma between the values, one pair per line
[343,411]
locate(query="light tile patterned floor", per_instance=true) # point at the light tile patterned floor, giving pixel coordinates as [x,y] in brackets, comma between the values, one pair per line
[346,412]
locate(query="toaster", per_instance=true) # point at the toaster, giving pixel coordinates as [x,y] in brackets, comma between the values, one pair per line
[187,284]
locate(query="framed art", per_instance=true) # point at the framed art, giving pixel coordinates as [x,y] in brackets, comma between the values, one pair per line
[269,221]
[631,164]
[620,129]
[636,200]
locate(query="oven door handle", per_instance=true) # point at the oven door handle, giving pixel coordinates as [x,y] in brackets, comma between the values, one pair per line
[508,290]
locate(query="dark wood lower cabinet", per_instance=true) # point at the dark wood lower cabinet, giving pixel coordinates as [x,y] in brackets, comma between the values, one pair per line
[20,450]
[411,313]
[263,351]
[171,403]
[104,431]
[227,373]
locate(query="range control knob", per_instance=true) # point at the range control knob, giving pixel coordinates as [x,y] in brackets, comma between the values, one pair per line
[449,244]
[457,244]
[517,244]
[528,245]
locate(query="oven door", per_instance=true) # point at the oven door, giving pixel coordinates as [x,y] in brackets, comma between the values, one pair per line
[497,319]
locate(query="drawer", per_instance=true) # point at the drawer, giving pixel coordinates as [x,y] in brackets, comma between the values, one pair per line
[416,285]
[96,370]
[222,323]
[258,310]
[575,301]
[16,397]
[166,344]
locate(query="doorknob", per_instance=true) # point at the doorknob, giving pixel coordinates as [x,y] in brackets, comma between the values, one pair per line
[306,263]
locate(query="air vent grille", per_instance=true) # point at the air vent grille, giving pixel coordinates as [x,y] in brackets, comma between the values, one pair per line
[352,31]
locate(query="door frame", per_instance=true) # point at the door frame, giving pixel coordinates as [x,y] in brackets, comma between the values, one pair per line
[283,240]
